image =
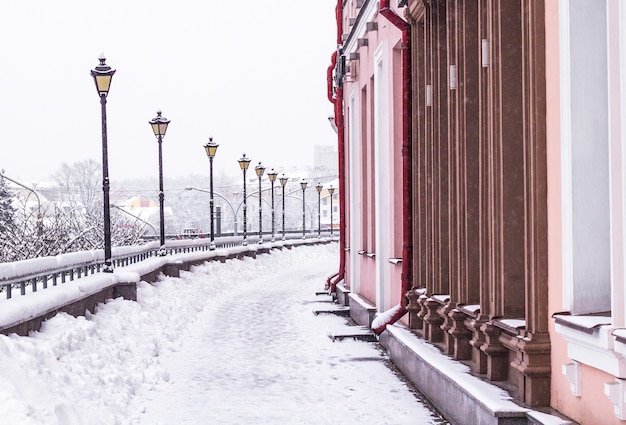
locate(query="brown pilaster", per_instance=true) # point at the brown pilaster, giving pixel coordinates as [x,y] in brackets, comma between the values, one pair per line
[533,360]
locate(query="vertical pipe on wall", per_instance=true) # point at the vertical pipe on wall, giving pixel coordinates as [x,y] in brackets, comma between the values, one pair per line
[337,101]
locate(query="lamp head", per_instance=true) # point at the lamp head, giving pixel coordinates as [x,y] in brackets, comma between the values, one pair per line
[272,174]
[102,75]
[244,162]
[211,148]
[259,169]
[159,125]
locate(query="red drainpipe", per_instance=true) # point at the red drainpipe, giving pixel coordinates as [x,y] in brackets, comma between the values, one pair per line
[337,100]
[329,77]
[407,221]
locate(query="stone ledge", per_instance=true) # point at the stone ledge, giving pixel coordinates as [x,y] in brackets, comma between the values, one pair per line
[25,314]
[342,294]
[76,307]
[361,311]
[461,397]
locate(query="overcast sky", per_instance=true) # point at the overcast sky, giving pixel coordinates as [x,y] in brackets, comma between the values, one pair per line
[250,73]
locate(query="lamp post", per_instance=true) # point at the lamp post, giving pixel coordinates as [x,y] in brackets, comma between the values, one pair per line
[210,149]
[102,75]
[272,176]
[319,188]
[303,184]
[283,181]
[331,190]
[259,172]
[159,127]
[244,162]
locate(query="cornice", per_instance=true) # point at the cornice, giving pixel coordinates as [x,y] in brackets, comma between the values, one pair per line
[367,13]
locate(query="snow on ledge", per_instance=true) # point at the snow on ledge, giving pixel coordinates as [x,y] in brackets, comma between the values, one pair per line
[20,309]
[17,310]
[493,397]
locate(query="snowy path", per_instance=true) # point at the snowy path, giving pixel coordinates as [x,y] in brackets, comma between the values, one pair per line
[226,343]
[259,355]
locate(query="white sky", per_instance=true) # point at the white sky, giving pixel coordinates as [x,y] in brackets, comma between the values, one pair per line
[226,343]
[251,74]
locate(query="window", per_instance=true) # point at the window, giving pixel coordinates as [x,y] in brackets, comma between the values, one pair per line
[585,147]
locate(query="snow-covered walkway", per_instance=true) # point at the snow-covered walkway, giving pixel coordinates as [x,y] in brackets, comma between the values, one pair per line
[226,343]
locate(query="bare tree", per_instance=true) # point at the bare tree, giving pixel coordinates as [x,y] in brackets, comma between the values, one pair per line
[71,221]
[7,220]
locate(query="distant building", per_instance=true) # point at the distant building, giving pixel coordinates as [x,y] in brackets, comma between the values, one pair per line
[325,156]
[145,210]
[325,210]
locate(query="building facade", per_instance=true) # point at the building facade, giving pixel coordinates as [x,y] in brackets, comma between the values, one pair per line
[372,145]
[503,204]
[586,41]
[479,192]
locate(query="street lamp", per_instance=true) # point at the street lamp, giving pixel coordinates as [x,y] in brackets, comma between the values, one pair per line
[210,149]
[159,127]
[283,181]
[331,190]
[102,75]
[319,188]
[259,172]
[272,176]
[303,184]
[244,162]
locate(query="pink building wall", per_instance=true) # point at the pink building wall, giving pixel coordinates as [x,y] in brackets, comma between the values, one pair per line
[559,384]
[379,215]
[591,405]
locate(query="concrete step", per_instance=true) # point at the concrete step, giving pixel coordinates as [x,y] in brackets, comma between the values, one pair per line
[334,309]
[360,333]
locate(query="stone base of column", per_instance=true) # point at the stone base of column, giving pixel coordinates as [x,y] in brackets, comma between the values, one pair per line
[433,321]
[497,354]
[461,335]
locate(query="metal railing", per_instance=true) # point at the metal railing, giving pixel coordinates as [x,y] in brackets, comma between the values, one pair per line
[43,272]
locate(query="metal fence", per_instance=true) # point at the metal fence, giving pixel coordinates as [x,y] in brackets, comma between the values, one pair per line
[42,272]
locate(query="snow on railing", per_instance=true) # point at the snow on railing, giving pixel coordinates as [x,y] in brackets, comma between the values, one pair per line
[44,271]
